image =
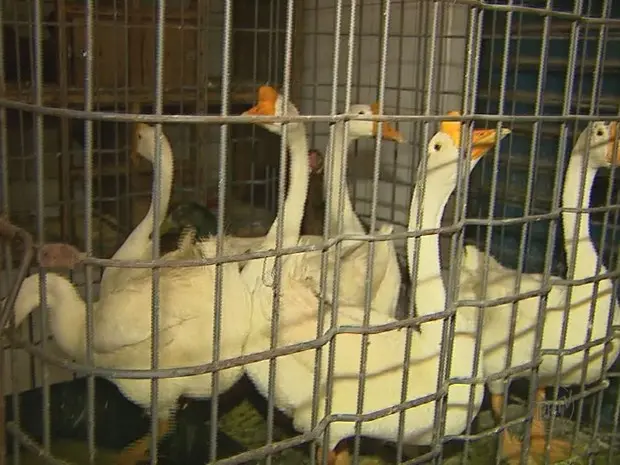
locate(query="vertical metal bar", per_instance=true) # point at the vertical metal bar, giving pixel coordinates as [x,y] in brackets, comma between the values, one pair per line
[297,71]
[385,28]
[253,128]
[429,91]
[8,258]
[88,213]
[221,207]
[67,223]
[579,101]
[422,51]
[399,110]
[277,282]
[491,47]
[6,249]
[472,66]
[328,169]
[557,186]
[276,34]
[328,175]
[613,446]
[422,168]
[113,200]
[593,108]
[353,26]
[201,95]
[37,70]
[315,85]
[270,53]
[128,39]
[447,342]
[516,52]
[594,97]
[156,195]
[120,98]
[409,330]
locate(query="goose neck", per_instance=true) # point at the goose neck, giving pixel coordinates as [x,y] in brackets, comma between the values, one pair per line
[577,225]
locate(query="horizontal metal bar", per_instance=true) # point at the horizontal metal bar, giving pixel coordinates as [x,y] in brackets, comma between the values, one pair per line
[242,119]
[542,12]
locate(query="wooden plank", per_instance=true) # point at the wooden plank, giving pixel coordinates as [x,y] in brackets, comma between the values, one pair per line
[173,14]
[53,95]
[66,209]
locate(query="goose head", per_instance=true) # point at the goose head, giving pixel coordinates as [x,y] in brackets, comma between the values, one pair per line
[144,143]
[315,160]
[603,149]
[359,129]
[443,148]
[271,103]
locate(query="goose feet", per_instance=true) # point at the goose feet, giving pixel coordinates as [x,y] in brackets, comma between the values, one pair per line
[559,450]
[511,446]
[137,451]
[339,456]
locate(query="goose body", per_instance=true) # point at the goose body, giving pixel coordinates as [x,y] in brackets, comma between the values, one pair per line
[297,321]
[123,325]
[185,336]
[386,278]
[584,313]
[383,384]
[185,340]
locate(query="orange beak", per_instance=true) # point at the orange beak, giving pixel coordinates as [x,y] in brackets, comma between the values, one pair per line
[389,132]
[482,139]
[613,158]
[266,106]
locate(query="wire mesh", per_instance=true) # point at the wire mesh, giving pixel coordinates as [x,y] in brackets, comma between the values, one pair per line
[77,79]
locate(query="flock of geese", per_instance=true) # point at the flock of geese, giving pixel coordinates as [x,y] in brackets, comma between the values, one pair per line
[401,365]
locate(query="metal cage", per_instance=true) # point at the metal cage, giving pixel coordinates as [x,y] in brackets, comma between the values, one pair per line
[78,78]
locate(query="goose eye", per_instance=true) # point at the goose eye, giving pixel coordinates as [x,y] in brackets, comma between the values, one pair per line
[361,112]
[599,133]
[437,147]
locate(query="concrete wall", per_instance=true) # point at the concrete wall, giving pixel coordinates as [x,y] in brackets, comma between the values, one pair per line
[407,68]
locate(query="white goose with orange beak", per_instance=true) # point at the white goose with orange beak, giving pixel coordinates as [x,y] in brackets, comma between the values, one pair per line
[352,279]
[386,279]
[588,313]
[297,320]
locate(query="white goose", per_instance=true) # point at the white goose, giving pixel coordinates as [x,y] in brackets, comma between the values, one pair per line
[122,322]
[386,279]
[386,273]
[297,322]
[186,303]
[584,314]
[138,243]
[257,273]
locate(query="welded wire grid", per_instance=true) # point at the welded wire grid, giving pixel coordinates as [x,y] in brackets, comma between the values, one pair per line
[419,59]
